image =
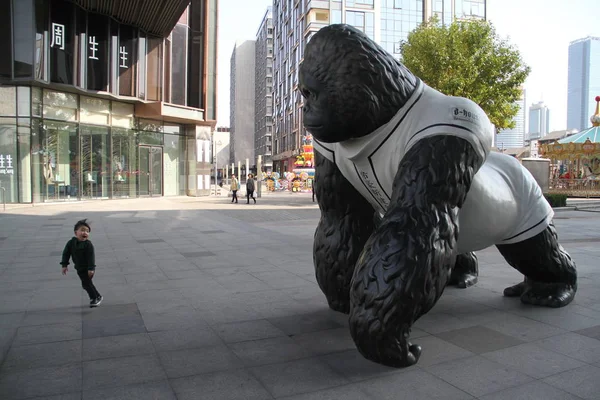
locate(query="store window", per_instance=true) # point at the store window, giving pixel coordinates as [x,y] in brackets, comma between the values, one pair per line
[55,161]
[95,162]
[174,160]
[122,115]
[8,98]
[8,160]
[124,161]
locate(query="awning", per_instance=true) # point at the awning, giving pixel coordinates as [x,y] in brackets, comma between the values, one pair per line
[157,17]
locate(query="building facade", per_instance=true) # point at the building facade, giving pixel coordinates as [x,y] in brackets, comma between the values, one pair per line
[539,121]
[515,137]
[583,82]
[387,22]
[93,108]
[263,120]
[242,98]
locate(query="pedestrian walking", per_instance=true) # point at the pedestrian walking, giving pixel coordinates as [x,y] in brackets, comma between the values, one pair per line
[250,189]
[81,250]
[235,186]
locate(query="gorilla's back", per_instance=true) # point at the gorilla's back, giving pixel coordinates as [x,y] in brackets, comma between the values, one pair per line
[504,205]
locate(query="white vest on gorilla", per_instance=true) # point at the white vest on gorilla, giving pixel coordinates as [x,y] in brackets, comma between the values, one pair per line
[504,204]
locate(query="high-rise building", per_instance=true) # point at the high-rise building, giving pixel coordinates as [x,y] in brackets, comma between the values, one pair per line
[584,81]
[242,98]
[263,120]
[387,22]
[539,121]
[515,137]
[106,99]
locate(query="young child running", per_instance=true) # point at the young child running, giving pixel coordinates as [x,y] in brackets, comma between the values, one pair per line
[82,252]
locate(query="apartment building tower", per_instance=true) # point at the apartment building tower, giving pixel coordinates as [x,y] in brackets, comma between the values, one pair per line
[242,98]
[583,81]
[263,104]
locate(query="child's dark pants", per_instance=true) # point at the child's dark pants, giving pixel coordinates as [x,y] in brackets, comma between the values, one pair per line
[87,285]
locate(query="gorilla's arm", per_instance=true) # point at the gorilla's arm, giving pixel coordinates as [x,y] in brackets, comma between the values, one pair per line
[345,225]
[407,261]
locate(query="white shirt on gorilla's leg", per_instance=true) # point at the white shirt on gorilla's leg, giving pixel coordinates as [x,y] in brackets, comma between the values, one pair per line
[504,204]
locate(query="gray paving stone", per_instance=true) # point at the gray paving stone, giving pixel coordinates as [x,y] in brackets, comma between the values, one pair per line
[522,328]
[176,318]
[412,384]
[48,333]
[297,377]
[593,332]
[43,355]
[325,342]
[533,360]
[478,376]
[268,351]
[17,384]
[354,367]
[479,339]
[113,326]
[531,391]
[198,361]
[181,339]
[121,371]
[348,392]
[583,382]
[117,346]
[66,396]
[436,351]
[573,345]
[152,391]
[247,330]
[304,323]
[54,316]
[228,385]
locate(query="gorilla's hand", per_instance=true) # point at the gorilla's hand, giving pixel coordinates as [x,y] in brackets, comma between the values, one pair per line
[345,225]
[405,264]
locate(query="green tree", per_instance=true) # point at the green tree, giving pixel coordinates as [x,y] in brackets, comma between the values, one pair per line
[468,59]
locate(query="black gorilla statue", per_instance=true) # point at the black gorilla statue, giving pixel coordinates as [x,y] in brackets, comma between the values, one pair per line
[408,189]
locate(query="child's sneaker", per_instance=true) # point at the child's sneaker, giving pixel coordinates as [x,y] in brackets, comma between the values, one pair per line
[96,302]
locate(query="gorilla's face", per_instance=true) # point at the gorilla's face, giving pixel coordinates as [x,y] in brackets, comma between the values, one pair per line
[350,85]
[320,112]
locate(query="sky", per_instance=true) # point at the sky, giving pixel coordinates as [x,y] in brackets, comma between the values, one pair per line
[540,29]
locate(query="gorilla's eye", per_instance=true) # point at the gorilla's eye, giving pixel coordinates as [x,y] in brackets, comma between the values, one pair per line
[305,92]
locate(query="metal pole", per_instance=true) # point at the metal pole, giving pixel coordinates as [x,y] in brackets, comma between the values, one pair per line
[259,176]
[215,161]
[3,197]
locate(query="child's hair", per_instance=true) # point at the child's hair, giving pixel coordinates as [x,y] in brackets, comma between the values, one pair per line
[81,223]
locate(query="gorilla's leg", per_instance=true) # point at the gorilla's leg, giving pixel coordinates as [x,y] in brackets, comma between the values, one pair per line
[465,271]
[345,225]
[406,263]
[550,273]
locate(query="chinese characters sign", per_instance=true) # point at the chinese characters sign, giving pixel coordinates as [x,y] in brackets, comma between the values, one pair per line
[58,36]
[6,165]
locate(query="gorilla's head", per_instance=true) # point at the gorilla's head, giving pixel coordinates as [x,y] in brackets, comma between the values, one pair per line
[351,86]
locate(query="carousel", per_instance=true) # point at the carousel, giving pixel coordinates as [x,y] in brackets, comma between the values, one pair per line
[575,161]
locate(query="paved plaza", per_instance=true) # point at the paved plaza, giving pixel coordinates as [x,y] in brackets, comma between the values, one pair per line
[204,299]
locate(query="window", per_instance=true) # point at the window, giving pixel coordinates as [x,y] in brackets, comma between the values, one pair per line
[127,60]
[97,52]
[62,47]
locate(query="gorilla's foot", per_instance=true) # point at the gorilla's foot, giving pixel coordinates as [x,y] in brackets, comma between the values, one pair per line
[463,280]
[465,271]
[391,353]
[553,295]
[516,290]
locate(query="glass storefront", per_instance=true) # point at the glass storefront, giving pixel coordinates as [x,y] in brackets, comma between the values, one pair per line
[57,146]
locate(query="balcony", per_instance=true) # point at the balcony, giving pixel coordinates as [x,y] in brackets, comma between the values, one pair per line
[171,113]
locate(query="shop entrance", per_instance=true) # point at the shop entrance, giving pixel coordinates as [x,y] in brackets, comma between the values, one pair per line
[151,167]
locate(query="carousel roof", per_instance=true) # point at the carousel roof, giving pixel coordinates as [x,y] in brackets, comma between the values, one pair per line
[593,134]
